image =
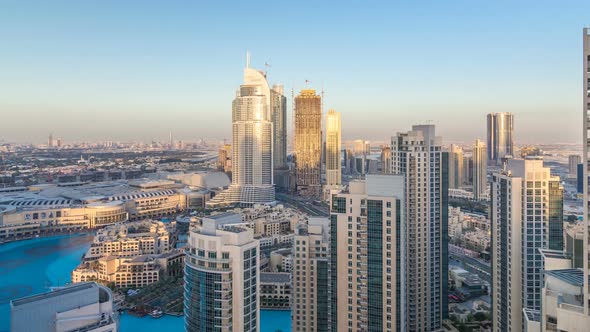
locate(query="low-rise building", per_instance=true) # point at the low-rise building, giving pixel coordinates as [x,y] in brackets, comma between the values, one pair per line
[275,290]
[84,307]
[132,239]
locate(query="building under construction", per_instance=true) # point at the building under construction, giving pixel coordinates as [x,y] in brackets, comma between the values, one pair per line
[308,143]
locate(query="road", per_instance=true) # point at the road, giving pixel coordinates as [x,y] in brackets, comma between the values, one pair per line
[303,205]
[483,270]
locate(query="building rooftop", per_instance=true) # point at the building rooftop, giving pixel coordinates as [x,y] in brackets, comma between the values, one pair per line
[571,276]
[58,292]
[532,315]
[221,215]
[554,254]
[235,229]
[274,277]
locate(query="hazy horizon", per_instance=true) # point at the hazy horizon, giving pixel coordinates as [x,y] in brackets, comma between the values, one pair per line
[135,71]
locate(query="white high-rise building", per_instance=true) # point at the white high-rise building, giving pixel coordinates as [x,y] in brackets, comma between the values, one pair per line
[520,215]
[252,145]
[222,277]
[367,265]
[480,176]
[333,144]
[79,307]
[310,276]
[418,155]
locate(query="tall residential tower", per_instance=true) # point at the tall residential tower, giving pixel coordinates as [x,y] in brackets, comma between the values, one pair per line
[278,104]
[480,176]
[455,166]
[310,276]
[418,156]
[520,218]
[333,145]
[222,277]
[367,287]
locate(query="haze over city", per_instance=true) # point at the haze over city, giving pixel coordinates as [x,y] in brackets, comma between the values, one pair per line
[137,70]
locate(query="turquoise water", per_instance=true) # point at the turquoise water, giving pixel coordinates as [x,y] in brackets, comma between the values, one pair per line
[32,266]
[271,321]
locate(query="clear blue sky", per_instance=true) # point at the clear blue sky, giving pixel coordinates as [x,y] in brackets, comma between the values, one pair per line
[122,70]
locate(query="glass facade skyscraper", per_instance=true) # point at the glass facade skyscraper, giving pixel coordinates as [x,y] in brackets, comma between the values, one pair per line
[222,277]
[333,145]
[308,142]
[500,130]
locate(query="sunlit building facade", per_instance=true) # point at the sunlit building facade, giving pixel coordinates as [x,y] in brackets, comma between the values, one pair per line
[308,142]
[333,144]
[455,166]
[480,176]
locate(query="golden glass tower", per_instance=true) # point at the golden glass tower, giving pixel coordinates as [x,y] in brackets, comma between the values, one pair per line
[308,142]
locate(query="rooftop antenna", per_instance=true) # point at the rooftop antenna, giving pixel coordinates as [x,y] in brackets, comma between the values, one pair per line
[266,67]
[247,59]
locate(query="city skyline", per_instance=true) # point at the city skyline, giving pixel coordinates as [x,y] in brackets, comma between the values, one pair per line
[151,74]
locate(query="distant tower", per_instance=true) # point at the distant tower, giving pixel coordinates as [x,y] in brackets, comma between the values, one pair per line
[278,103]
[308,142]
[50,140]
[480,176]
[333,145]
[171,141]
[500,136]
[455,167]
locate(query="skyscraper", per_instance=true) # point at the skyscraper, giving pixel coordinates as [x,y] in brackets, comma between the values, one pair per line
[278,103]
[573,161]
[308,142]
[252,172]
[500,136]
[385,160]
[468,169]
[418,155]
[50,140]
[520,218]
[555,214]
[333,144]
[366,256]
[480,176]
[310,276]
[455,166]
[585,168]
[222,277]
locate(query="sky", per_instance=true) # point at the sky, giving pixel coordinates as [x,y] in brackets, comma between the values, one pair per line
[136,70]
